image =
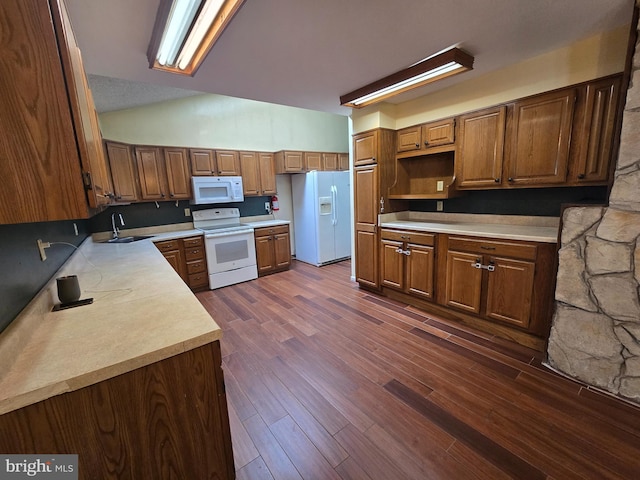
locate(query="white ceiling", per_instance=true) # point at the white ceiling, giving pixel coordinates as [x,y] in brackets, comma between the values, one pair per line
[306,53]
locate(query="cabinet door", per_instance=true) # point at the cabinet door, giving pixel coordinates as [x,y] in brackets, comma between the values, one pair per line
[365,146]
[509,290]
[312,161]
[265,254]
[391,264]
[463,287]
[439,133]
[539,139]
[123,172]
[366,219]
[87,128]
[228,163]
[481,148]
[266,165]
[178,177]
[409,139]
[282,250]
[343,161]
[151,173]
[595,141]
[250,173]
[420,270]
[330,162]
[203,162]
[176,260]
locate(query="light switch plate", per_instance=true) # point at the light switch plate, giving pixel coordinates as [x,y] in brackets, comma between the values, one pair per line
[187,212]
[439,205]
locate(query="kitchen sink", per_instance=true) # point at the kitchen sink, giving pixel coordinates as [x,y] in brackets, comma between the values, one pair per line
[129,239]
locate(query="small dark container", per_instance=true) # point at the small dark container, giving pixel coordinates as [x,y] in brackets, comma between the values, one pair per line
[68,289]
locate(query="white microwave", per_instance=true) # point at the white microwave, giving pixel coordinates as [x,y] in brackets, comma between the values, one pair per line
[217,190]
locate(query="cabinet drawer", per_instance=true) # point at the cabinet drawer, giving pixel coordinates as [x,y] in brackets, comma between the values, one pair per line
[266,231]
[193,253]
[409,237]
[196,266]
[167,245]
[193,242]
[492,247]
[197,280]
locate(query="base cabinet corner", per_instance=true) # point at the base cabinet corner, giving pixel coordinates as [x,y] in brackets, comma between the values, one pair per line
[166,420]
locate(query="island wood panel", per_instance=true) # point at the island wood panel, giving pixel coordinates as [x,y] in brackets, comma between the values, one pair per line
[401,392]
[166,420]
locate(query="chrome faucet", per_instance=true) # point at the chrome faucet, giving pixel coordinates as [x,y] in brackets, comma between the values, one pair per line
[116,230]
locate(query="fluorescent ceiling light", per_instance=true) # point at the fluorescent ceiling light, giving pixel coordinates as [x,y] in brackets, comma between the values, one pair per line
[185,31]
[442,65]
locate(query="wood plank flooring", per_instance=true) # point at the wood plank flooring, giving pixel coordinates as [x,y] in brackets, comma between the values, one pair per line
[327,381]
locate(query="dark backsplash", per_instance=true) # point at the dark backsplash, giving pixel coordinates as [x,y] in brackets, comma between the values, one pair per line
[23,273]
[139,215]
[523,201]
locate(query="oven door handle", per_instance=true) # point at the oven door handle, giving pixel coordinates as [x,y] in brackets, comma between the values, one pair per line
[228,234]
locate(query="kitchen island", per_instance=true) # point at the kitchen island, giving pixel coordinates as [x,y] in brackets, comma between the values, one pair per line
[132,383]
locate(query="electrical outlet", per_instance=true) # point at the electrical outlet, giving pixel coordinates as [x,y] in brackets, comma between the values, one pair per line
[439,185]
[439,205]
[187,212]
[267,207]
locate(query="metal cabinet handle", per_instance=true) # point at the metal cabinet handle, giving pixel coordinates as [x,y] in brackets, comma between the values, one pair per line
[484,247]
[581,176]
[491,267]
[497,180]
[510,179]
[404,252]
[417,145]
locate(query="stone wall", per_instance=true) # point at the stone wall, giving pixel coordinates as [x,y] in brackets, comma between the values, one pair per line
[595,335]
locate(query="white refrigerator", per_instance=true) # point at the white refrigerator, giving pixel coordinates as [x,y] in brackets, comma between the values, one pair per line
[322,216]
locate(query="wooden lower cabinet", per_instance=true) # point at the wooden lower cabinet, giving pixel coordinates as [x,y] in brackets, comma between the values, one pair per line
[273,249]
[407,262]
[187,257]
[501,286]
[510,282]
[165,420]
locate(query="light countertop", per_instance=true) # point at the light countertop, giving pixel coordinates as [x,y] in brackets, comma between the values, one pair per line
[142,313]
[510,227]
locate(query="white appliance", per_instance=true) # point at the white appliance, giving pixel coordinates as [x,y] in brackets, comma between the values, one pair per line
[217,190]
[322,216]
[229,246]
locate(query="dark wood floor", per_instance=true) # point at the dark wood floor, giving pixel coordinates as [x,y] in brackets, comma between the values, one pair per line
[325,380]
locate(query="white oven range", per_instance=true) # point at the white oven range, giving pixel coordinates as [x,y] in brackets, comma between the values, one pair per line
[229,246]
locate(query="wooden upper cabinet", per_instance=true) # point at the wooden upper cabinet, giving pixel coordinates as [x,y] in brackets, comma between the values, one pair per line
[312,161]
[289,162]
[94,164]
[365,146]
[267,173]
[330,161]
[409,139]
[343,161]
[250,169]
[123,171]
[203,162]
[151,173]
[592,148]
[426,136]
[228,163]
[481,148]
[41,164]
[176,162]
[439,133]
[539,133]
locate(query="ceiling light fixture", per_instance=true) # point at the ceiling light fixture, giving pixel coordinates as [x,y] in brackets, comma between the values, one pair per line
[437,67]
[185,31]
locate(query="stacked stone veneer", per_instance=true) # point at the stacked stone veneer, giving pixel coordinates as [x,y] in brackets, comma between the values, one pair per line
[595,335]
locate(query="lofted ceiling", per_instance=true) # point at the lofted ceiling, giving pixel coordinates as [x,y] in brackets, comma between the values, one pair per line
[306,53]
